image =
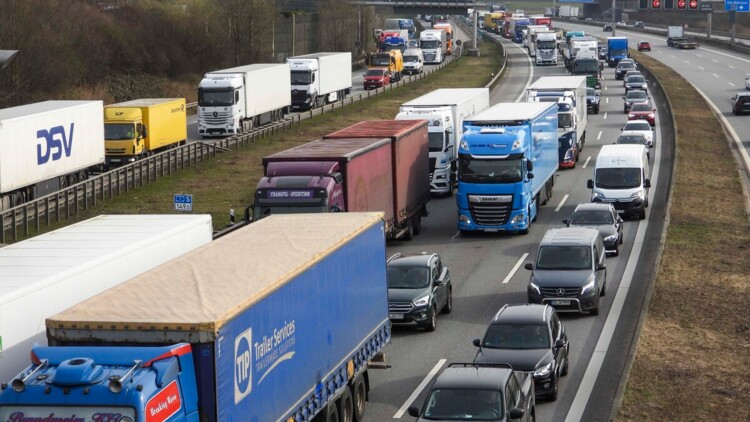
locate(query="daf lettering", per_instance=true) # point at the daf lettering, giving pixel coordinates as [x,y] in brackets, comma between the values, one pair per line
[53,143]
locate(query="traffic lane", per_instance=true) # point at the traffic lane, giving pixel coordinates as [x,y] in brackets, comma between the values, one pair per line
[479,264]
[519,72]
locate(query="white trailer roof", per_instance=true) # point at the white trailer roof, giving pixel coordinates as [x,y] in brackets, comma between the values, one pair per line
[512,111]
[203,289]
[444,96]
[145,102]
[37,262]
[38,108]
[558,82]
[318,55]
[252,67]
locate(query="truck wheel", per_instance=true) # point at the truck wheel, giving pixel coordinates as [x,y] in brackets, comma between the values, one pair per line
[359,397]
[82,175]
[346,406]
[417,224]
[72,179]
[409,235]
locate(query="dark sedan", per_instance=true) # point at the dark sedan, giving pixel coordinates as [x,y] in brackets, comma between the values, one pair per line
[634,96]
[622,68]
[603,217]
[635,82]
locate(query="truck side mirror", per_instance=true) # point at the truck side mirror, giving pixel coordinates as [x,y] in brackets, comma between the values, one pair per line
[590,184]
[529,165]
[647,183]
[337,177]
[529,176]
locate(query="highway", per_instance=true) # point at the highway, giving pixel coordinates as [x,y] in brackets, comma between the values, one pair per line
[487,272]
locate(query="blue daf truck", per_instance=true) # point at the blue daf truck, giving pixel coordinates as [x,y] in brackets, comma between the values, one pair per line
[275,321]
[507,162]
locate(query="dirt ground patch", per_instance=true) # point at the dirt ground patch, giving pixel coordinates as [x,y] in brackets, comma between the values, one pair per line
[693,355]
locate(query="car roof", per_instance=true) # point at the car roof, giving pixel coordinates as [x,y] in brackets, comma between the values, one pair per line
[634,121]
[633,91]
[410,260]
[521,313]
[638,133]
[473,377]
[594,206]
[571,236]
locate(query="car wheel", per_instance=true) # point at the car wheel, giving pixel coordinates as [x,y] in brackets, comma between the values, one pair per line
[595,311]
[604,286]
[564,371]
[448,303]
[621,238]
[432,322]
[553,394]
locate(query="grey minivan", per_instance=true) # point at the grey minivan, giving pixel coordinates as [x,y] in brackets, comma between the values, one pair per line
[569,272]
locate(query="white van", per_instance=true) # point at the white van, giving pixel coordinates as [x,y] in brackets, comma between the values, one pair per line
[621,178]
[413,61]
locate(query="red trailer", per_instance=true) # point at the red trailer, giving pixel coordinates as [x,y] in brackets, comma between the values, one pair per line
[410,161]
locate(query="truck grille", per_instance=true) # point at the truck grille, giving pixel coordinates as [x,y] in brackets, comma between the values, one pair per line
[299,95]
[429,57]
[432,164]
[490,210]
[217,118]
[566,291]
[115,150]
[399,307]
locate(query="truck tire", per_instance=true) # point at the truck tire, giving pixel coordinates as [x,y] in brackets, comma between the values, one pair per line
[329,414]
[417,224]
[409,234]
[346,406]
[359,397]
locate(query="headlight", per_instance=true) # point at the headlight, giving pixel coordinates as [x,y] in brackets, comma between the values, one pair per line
[464,145]
[464,219]
[517,219]
[543,371]
[534,287]
[599,195]
[589,286]
[611,238]
[422,301]
[651,116]
[637,195]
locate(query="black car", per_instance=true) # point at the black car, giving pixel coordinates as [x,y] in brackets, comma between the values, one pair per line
[531,338]
[741,103]
[604,217]
[419,287]
[479,392]
[592,100]
[635,82]
[634,96]
[622,68]
[639,24]
[603,52]
[607,27]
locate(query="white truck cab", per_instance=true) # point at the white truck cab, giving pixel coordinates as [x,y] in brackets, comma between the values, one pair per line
[433,43]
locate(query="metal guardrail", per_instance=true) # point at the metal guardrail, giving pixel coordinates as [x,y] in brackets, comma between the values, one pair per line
[26,218]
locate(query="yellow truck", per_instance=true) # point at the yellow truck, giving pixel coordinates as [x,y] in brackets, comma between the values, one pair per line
[138,128]
[494,21]
[393,60]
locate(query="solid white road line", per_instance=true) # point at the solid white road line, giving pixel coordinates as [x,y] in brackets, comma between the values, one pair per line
[587,161]
[419,389]
[562,202]
[575,413]
[515,267]
[599,136]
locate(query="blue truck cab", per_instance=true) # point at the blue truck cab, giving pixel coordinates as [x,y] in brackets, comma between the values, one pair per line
[521,24]
[617,49]
[508,156]
[256,326]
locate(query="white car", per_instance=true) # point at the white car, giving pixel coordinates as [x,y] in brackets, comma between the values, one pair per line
[640,127]
[747,82]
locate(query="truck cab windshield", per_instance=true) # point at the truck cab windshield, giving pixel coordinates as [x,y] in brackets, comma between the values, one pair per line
[119,131]
[617,52]
[209,98]
[586,66]
[545,45]
[472,170]
[564,120]
[436,141]
[301,77]
[380,61]
[618,178]
[429,44]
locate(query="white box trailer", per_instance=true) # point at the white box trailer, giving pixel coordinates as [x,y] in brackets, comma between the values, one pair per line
[45,146]
[49,273]
[237,99]
[320,78]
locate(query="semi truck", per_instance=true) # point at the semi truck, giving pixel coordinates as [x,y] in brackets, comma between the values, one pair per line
[392,60]
[448,28]
[569,93]
[237,100]
[410,174]
[48,273]
[580,47]
[494,21]
[445,111]
[277,321]
[507,162]
[394,43]
[617,49]
[546,48]
[433,43]
[517,24]
[138,128]
[47,146]
[676,37]
[541,20]
[320,78]
[531,34]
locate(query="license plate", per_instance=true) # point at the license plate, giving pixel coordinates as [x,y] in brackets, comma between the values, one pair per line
[114,160]
[491,230]
[396,316]
[560,303]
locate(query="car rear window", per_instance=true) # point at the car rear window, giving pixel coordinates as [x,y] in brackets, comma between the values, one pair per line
[636,95]
[641,107]
[637,126]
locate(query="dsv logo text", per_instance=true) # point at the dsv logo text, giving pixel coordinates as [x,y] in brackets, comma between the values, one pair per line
[53,143]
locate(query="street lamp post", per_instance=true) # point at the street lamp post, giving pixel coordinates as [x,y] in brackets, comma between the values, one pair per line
[614,24]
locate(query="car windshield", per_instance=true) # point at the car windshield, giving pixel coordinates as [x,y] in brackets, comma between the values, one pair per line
[637,126]
[632,139]
[636,95]
[625,66]
[592,217]
[462,404]
[564,258]
[374,72]
[641,107]
[411,59]
[618,178]
[590,92]
[516,336]
[564,120]
[489,171]
[407,277]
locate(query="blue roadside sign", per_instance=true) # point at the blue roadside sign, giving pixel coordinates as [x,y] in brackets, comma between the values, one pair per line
[183,203]
[737,5]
